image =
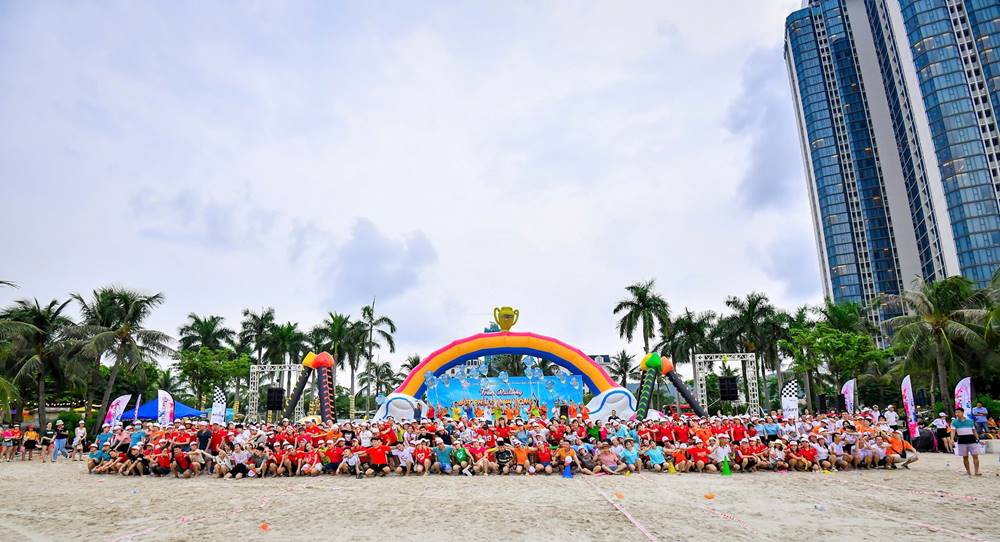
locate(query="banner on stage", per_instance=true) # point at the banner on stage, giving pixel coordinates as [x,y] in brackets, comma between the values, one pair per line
[547,390]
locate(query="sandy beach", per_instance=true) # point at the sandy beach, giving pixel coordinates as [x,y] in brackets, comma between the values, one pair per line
[933,501]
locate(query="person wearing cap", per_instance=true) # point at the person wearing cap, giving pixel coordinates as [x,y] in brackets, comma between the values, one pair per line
[29,442]
[79,441]
[404,458]
[608,461]
[942,430]
[59,441]
[96,457]
[422,457]
[902,450]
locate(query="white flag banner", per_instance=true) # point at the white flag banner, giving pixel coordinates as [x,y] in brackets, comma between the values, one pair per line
[116,409]
[963,395]
[164,408]
[135,413]
[218,407]
[848,392]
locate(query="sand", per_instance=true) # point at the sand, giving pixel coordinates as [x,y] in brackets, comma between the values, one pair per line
[933,501]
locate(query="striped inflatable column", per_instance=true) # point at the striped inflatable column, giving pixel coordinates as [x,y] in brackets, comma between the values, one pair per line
[325,384]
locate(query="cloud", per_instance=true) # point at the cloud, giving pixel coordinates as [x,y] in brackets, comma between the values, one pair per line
[190,218]
[763,113]
[791,259]
[370,264]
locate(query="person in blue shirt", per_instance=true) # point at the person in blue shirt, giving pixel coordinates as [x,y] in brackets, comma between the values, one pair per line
[630,455]
[97,456]
[137,436]
[979,414]
[443,454]
[654,456]
[104,436]
[963,432]
[771,429]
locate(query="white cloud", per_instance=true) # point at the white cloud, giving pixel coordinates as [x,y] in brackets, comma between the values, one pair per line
[539,156]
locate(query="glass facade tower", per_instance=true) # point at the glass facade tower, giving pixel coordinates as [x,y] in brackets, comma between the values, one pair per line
[896,103]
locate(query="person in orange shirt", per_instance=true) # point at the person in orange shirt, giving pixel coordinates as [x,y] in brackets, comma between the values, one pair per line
[584,413]
[902,449]
[523,465]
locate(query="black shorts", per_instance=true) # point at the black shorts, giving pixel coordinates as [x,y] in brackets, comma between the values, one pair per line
[158,470]
[377,466]
[29,445]
[942,433]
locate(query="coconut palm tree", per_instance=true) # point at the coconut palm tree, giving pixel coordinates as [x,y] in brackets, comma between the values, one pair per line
[688,334]
[743,330]
[9,328]
[208,332]
[380,330]
[644,309]
[340,334]
[379,376]
[255,329]
[285,345]
[622,366]
[409,364]
[114,325]
[39,354]
[937,319]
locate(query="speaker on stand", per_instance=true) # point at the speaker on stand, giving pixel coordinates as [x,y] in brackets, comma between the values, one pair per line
[275,398]
[728,388]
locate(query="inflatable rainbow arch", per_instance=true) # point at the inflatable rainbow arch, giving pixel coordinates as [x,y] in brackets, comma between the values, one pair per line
[609,395]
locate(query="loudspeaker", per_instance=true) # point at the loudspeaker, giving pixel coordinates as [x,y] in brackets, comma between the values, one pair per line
[823,402]
[841,404]
[728,389]
[275,398]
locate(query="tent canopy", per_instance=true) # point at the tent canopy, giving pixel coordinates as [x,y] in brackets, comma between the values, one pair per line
[148,411]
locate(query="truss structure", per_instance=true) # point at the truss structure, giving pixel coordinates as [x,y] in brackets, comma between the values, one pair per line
[703,361]
[256,372]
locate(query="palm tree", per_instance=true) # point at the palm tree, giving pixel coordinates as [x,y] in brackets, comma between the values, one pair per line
[255,329]
[8,396]
[118,331]
[340,335]
[644,308]
[937,320]
[9,328]
[380,376]
[744,329]
[172,384]
[380,330]
[408,366]
[621,366]
[688,334]
[39,354]
[285,345]
[205,332]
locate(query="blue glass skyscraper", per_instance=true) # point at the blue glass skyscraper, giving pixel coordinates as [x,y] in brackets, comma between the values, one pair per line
[896,103]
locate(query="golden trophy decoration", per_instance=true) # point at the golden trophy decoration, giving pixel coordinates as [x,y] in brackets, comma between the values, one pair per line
[505,317]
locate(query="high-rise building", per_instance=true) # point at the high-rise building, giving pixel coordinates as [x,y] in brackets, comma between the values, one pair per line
[896,102]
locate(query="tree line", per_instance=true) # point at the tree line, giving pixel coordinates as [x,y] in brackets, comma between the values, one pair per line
[937,332]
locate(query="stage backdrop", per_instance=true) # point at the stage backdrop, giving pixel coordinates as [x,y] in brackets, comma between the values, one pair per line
[517,387]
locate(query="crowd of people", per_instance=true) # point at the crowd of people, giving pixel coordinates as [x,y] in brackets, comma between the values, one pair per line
[483,446]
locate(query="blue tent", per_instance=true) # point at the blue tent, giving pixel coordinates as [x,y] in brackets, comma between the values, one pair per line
[148,411]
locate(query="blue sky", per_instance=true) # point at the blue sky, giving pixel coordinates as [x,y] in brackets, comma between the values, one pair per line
[445,157]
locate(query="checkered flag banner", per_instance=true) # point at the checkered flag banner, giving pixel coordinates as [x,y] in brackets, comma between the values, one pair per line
[790,399]
[218,406]
[790,390]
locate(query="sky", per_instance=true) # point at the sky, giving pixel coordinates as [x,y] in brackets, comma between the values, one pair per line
[442,157]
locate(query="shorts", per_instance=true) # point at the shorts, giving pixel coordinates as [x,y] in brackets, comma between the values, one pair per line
[331,467]
[546,463]
[29,445]
[8,443]
[942,433]
[964,450]
[46,441]
[378,466]
[160,471]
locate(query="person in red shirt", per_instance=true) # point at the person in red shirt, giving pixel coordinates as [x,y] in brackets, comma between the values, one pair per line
[793,456]
[808,454]
[422,458]
[162,462]
[682,433]
[181,465]
[309,463]
[378,461]
[699,456]
[334,453]
[544,455]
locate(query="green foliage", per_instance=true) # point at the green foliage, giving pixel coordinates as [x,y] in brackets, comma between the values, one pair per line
[202,370]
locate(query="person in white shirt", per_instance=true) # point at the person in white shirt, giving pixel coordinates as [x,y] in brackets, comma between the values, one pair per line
[941,431]
[891,417]
[404,453]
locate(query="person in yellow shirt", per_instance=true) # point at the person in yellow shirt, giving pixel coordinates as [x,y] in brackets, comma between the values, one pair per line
[30,442]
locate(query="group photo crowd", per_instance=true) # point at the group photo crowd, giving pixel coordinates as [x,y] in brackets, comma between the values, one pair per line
[461,445]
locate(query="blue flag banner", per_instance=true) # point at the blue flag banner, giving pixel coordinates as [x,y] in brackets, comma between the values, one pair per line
[546,390]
